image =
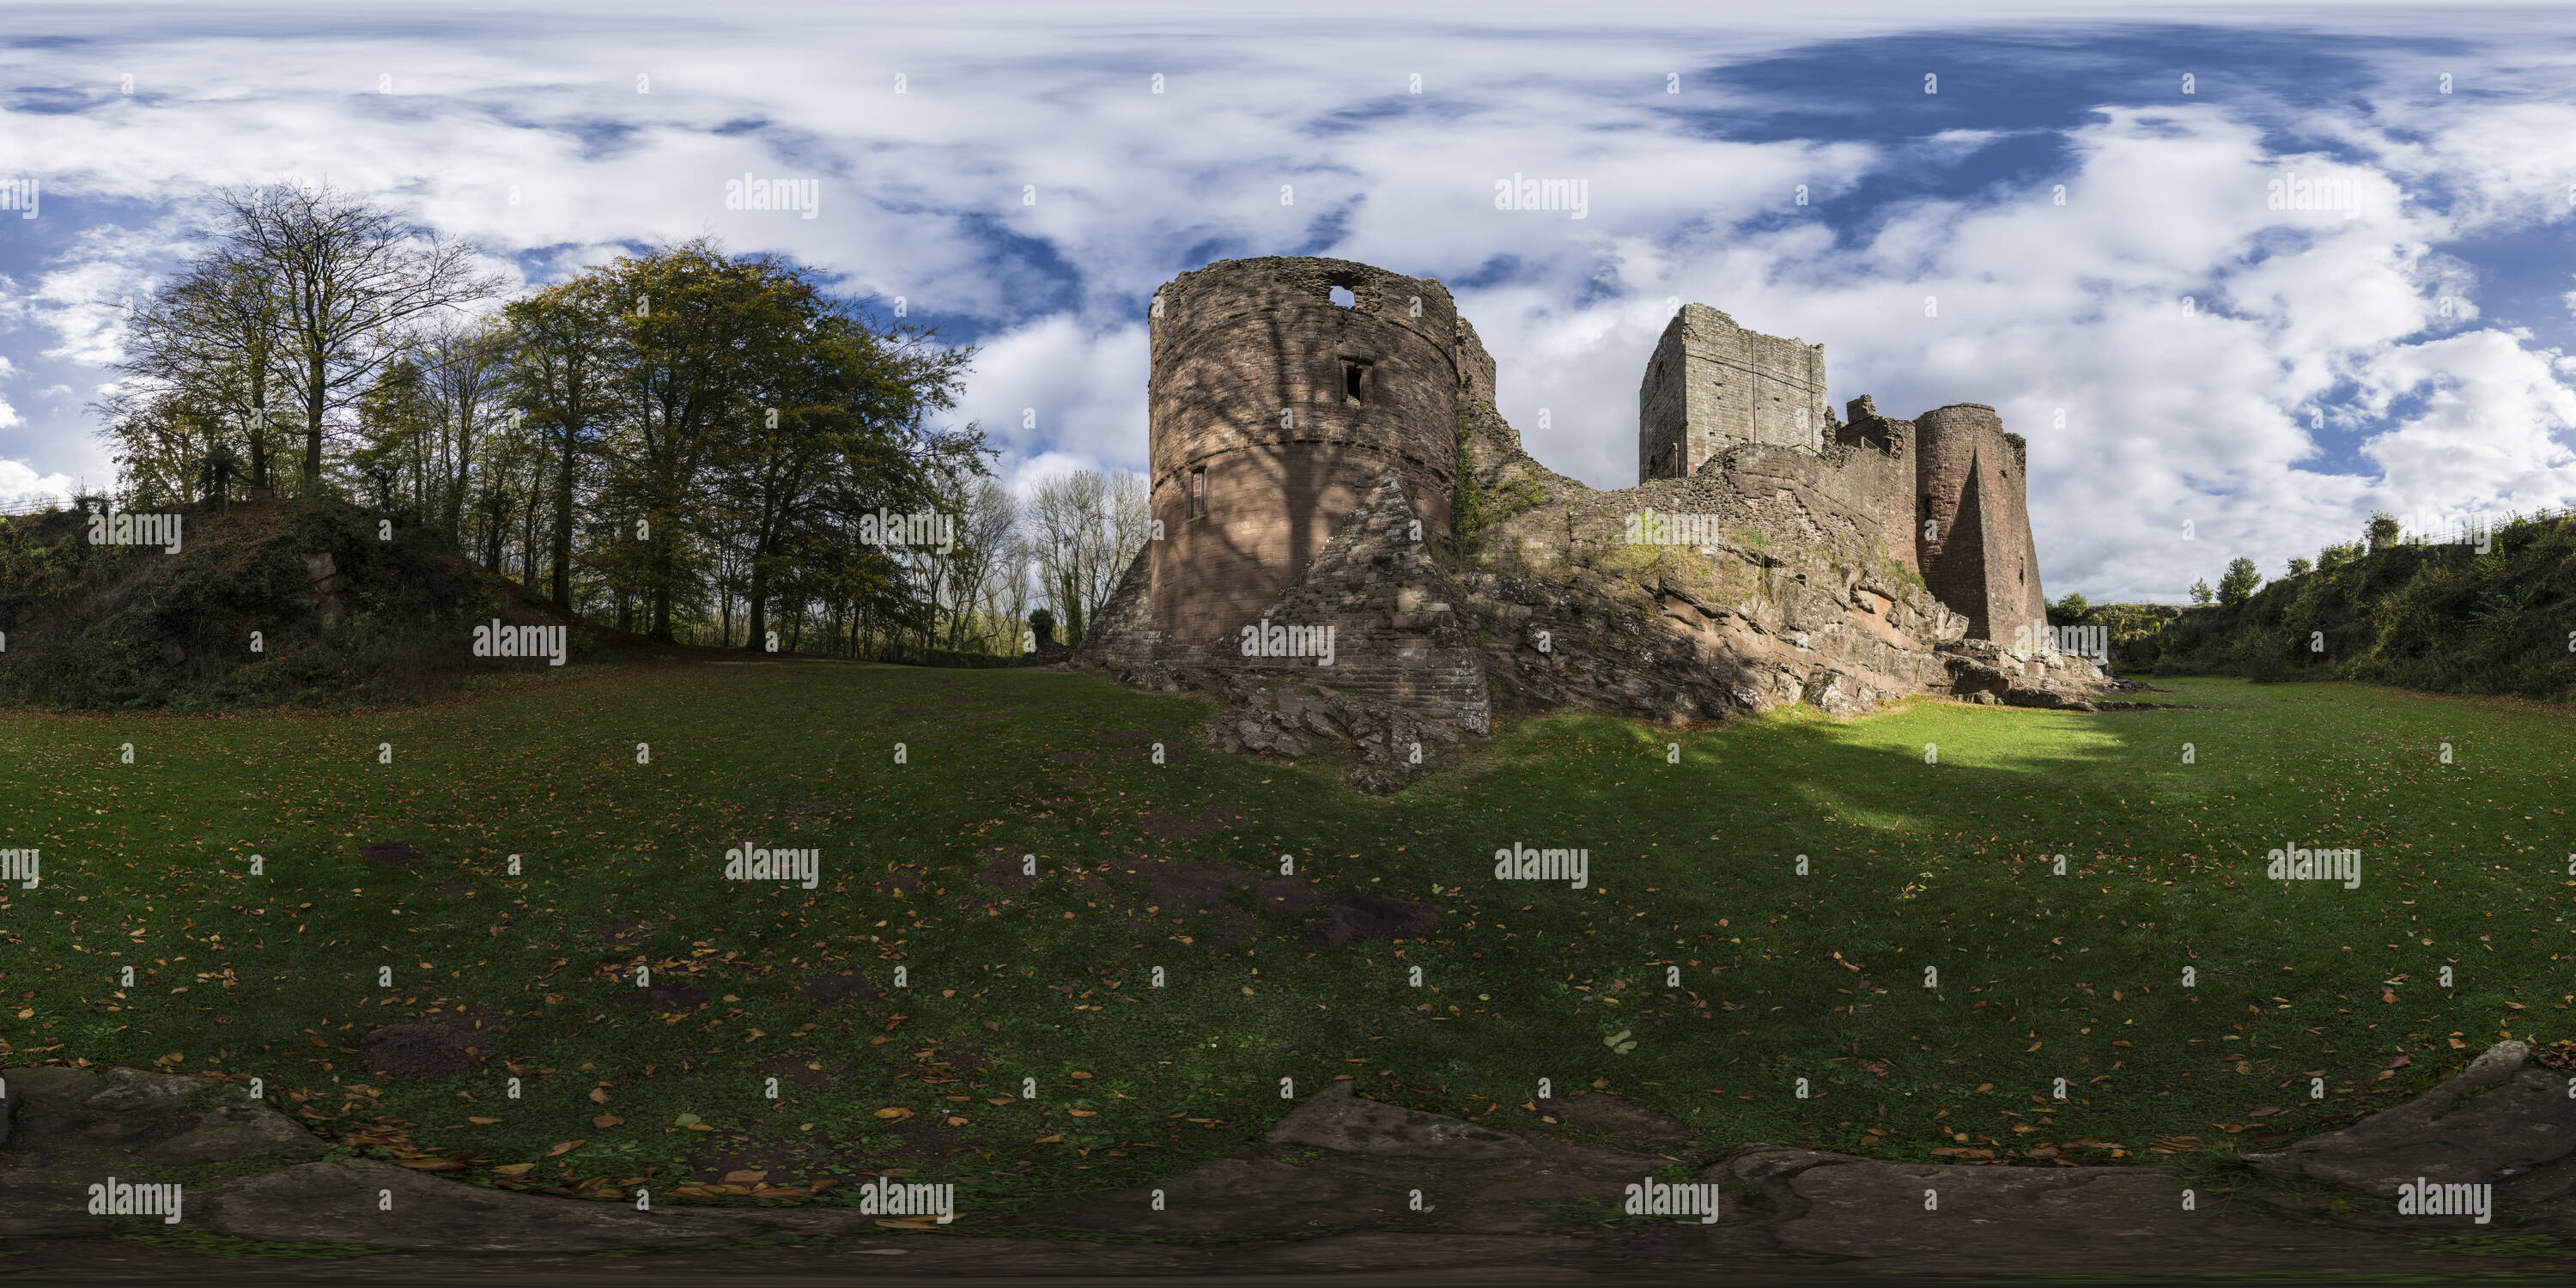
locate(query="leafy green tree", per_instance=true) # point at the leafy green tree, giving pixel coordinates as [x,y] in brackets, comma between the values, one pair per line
[2383,531]
[2200,591]
[2238,585]
[2300,567]
[2073,607]
[563,345]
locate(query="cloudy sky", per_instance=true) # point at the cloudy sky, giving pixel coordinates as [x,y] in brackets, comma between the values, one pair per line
[2075,228]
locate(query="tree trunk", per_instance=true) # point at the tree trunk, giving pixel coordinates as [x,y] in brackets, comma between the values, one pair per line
[563,518]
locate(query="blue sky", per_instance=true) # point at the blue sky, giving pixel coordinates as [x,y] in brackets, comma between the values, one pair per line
[2025,237]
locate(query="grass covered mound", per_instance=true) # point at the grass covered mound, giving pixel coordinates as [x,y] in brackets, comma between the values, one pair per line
[2442,618]
[346,605]
[1050,946]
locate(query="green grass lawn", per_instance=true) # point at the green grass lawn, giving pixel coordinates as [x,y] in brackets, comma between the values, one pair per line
[1693,875]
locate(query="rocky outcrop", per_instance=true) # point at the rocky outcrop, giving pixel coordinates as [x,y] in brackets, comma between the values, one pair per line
[2503,1116]
[63,1130]
[1396,681]
[1985,672]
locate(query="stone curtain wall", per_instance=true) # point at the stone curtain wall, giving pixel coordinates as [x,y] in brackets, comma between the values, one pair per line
[1249,383]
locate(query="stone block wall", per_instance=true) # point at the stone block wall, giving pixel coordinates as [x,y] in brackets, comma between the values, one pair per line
[1711,384]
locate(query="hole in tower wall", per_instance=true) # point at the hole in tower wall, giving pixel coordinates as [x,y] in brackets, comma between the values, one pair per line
[1342,296]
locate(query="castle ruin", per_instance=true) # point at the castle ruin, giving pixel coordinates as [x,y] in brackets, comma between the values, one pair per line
[1326,456]
[1944,492]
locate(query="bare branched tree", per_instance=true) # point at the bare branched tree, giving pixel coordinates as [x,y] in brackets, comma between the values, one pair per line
[347,279]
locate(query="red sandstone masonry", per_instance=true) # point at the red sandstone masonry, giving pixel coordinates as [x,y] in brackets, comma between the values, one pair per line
[1251,383]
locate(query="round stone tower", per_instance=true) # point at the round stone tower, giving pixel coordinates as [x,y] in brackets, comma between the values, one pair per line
[1274,409]
[1979,557]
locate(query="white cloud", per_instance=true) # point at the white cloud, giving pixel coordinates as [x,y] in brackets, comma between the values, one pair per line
[2169,417]
[20,482]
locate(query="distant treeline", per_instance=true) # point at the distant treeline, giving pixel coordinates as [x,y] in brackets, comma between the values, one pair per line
[696,446]
[2495,614]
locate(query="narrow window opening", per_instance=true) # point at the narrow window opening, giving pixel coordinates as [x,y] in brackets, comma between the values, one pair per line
[1355,380]
[1198,492]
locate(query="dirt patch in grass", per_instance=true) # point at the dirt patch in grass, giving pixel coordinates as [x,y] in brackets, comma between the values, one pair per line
[1203,887]
[1190,827]
[813,812]
[427,1049]
[1195,884]
[1355,918]
[457,889]
[902,880]
[804,1069]
[391,854]
[845,989]
[1005,872]
[1290,895]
